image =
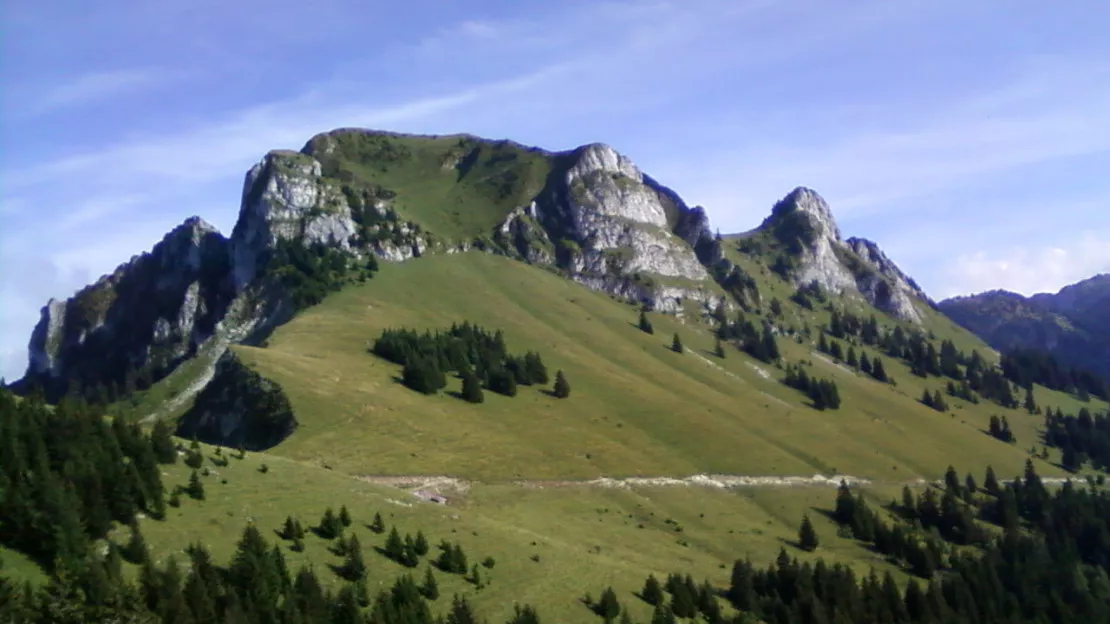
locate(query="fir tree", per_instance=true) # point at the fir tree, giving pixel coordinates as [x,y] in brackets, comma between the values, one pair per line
[807,536]
[161,441]
[676,344]
[354,567]
[196,487]
[877,370]
[652,593]
[420,545]
[344,516]
[289,530]
[852,360]
[330,527]
[1030,404]
[472,388]
[394,546]
[377,526]
[561,390]
[430,589]
[607,606]
[645,324]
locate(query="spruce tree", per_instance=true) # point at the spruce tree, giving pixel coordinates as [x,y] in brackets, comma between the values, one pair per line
[421,544]
[719,349]
[1030,403]
[645,324]
[330,527]
[807,536]
[877,370]
[354,567]
[676,344]
[561,390]
[652,593]
[161,441]
[377,526]
[852,360]
[430,589]
[472,388]
[607,606]
[394,546]
[344,516]
[289,530]
[196,487]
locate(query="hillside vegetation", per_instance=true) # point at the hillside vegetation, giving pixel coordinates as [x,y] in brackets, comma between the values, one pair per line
[637,407]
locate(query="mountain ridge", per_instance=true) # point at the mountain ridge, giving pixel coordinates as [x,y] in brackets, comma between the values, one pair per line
[1069,324]
[588,212]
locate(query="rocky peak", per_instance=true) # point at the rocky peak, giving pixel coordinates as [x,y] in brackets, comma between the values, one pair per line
[285,197]
[807,202]
[869,252]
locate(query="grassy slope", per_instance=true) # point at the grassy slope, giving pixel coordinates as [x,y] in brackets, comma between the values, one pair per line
[457,202]
[586,538]
[636,409]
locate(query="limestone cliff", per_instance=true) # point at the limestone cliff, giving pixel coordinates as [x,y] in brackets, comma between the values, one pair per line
[137,323]
[807,246]
[615,230]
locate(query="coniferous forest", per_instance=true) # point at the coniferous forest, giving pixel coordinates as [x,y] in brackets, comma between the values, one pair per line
[1004,551]
[478,356]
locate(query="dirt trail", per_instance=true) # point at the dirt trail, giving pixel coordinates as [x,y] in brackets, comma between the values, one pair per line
[446,484]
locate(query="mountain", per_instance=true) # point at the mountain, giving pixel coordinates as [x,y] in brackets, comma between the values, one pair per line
[350,194]
[546,360]
[1072,324]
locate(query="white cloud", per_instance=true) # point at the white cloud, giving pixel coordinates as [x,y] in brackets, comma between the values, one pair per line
[1028,270]
[98,86]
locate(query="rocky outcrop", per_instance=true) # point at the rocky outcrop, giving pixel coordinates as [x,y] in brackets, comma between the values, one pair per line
[239,407]
[139,322]
[812,250]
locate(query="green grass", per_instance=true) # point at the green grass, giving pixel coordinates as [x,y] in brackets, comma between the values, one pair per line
[636,407]
[586,538]
[17,566]
[453,186]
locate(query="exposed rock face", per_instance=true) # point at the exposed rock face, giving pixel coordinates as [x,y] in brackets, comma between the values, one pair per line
[239,407]
[1073,324]
[285,197]
[150,313]
[615,229]
[803,223]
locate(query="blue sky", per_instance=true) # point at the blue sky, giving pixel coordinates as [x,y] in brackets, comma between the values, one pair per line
[970,139]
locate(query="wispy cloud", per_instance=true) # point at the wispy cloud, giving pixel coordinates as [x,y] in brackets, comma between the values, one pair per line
[97,86]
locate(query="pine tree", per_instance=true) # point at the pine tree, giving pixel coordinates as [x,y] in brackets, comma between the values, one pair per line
[344,516]
[676,344]
[161,441]
[472,388]
[135,551]
[196,487]
[377,526]
[939,404]
[807,536]
[877,370]
[652,593]
[990,483]
[645,324]
[330,527]
[394,546]
[289,530]
[561,390]
[852,360]
[1030,404]
[607,606]
[719,349]
[421,544]
[354,567]
[430,589]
